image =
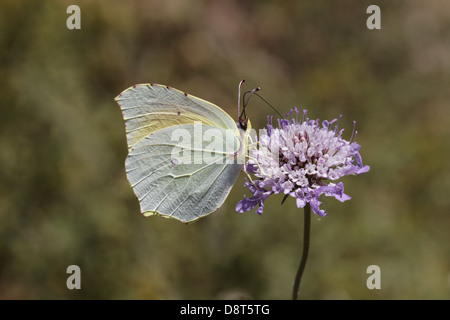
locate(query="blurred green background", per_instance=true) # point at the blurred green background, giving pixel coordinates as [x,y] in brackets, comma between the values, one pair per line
[65,200]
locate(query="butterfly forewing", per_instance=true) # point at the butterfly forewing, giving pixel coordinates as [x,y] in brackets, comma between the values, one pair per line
[147,108]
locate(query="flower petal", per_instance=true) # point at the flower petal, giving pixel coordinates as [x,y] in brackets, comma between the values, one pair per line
[246,204]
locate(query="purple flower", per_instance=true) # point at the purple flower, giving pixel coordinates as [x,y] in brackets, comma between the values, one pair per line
[298,159]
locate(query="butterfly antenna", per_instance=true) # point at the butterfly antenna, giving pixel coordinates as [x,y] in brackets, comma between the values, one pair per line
[242,115]
[253,92]
[273,108]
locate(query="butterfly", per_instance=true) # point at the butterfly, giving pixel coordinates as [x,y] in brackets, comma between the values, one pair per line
[184,153]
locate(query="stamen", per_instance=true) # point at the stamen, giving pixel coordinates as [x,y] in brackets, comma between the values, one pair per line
[337,124]
[353,132]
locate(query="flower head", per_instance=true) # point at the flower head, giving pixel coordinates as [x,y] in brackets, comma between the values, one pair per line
[298,159]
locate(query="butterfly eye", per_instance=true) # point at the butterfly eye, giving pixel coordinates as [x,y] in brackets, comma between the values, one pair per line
[243,124]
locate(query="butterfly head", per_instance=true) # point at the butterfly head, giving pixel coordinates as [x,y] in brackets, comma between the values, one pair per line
[244,124]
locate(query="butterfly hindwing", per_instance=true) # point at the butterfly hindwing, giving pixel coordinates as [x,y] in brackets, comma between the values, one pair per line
[182,152]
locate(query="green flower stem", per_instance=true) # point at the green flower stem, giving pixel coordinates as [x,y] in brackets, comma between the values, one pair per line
[301,267]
